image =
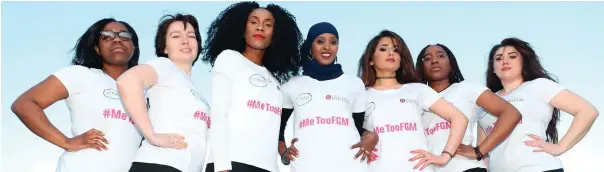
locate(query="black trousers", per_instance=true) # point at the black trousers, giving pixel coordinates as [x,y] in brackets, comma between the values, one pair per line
[476,170]
[485,170]
[150,167]
[238,167]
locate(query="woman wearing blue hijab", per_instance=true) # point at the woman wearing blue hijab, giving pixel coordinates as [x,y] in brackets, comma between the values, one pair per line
[329,110]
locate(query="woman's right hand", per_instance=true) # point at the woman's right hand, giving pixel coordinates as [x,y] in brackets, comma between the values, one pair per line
[466,151]
[168,140]
[292,152]
[92,138]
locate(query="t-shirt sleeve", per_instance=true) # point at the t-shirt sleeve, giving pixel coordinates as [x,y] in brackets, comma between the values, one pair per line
[480,113]
[287,101]
[226,62]
[220,105]
[161,66]
[360,102]
[471,91]
[546,89]
[368,123]
[426,96]
[72,78]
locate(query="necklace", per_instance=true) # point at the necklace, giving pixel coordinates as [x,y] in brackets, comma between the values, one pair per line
[386,77]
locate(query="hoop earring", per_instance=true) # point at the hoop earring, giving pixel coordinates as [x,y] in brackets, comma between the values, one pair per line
[310,55]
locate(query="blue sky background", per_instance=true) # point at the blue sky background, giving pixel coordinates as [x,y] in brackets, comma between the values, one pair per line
[568,36]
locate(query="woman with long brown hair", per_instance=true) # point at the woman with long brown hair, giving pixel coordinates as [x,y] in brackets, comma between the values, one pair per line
[515,73]
[396,102]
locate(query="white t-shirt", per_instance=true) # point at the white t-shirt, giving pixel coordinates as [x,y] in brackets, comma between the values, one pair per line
[532,100]
[246,113]
[324,124]
[94,102]
[463,96]
[176,107]
[395,115]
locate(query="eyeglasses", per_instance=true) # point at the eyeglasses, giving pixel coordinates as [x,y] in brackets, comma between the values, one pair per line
[110,35]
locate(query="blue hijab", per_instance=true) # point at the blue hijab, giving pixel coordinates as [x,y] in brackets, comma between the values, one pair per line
[310,66]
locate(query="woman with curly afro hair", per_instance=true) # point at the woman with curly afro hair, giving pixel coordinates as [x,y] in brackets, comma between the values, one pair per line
[252,50]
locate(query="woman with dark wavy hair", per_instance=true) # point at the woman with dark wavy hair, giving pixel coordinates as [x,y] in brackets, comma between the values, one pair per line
[437,67]
[253,51]
[104,137]
[515,73]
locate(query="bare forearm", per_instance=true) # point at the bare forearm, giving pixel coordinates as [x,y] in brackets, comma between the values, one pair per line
[578,129]
[282,147]
[365,133]
[36,121]
[458,127]
[132,93]
[505,124]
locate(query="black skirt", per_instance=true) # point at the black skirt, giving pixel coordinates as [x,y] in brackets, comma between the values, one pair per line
[150,167]
[238,167]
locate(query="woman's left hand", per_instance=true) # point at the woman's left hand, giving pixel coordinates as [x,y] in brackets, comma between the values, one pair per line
[426,158]
[366,146]
[538,142]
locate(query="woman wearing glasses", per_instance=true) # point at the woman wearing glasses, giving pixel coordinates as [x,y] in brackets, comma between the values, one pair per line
[104,137]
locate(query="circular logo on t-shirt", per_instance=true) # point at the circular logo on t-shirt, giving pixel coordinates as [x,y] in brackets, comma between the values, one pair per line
[258,81]
[303,99]
[402,100]
[111,93]
[328,97]
[370,108]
